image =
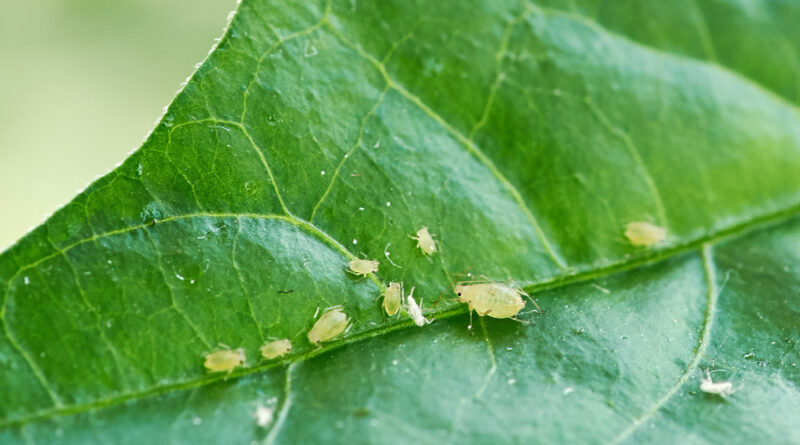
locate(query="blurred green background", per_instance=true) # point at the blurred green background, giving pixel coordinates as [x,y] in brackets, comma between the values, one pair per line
[81,83]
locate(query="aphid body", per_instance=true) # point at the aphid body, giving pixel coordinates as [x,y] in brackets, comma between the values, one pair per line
[644,234]
[225,360]
[392,298]
[332,323]
[493,299]
[275,349]
[415,311]
[363,267]
[720,388]
[425,241]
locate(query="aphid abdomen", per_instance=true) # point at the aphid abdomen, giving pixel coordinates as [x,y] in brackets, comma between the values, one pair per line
[498,301]
[330,324]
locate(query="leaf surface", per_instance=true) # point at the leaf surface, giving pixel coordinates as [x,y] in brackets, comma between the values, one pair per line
[525,136]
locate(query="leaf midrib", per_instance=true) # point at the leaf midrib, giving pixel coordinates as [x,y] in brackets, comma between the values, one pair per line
[631,263]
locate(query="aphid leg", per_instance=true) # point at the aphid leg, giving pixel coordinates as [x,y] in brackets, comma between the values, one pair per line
[532,301]
[525,322]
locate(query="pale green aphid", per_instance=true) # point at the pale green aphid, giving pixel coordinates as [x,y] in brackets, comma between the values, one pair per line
[496,300]
[641,233]
[275,349]
[425,241]
[332,323]
[362,267]
[392,298]
[225,360]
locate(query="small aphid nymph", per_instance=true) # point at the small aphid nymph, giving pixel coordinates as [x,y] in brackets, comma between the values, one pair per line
[392,298]
[644,234]
[225,360]
[275,349]
[496,300]
[722,389]
[362,267]
[425,241]
[332,323]
[415,311]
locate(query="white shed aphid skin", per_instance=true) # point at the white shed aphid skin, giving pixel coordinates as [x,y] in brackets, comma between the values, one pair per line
[496,300]
[425,241]
[392,298]
[415,311]
[276,348]
[644,234]
[225,360]
[361,267]
[332,323]
[723,389]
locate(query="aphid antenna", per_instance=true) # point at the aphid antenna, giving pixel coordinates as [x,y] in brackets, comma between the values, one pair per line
[386,253]
[465,272]
[442,297]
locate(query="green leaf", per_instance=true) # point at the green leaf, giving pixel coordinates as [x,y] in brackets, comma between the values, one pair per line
[525,136]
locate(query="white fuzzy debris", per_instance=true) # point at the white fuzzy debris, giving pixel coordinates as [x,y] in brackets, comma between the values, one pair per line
[388,204]
[568,390]
[264,415]
[723,389]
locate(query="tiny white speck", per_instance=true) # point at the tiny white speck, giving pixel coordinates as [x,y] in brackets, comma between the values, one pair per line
[512,381]
[508,348]
[568,390]
[191,281]
[355,241]
[109,261]
[388,203]
[346,155]
[26,280]
[108,324]
[361,208]
[180,277]
[377,144]
[263,415]
[197,421]
[322,172]
[395,362]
